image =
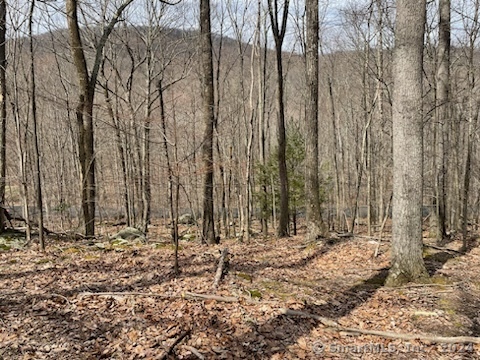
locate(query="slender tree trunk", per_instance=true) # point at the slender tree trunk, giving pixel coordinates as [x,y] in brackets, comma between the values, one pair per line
[146,185]
[381,106]
[3,110]
[261,77]
[33,97]
[338,201]
[315,225]
[172,196]
[279,26]
[208,229]
[407,241]
[22,157]
[443,111]
[472,117]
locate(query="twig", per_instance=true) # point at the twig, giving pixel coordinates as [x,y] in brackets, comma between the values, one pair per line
[175,343]
[385,334]
[194,351]
[220,268]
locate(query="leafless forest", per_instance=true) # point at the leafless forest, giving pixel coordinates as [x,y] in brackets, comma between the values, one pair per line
[239,179]
[148,102]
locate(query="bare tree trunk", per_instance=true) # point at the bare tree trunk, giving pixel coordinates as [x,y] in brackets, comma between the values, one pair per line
[3,110]
[172,198]
[407,242]
[84,113]
[381,104]
[261,76]
[338,202]
[87,82]
[443,111]
[146,184]
[120,150]
[33,97]
[208,230]
[315,225]
[279,29]
[22,157]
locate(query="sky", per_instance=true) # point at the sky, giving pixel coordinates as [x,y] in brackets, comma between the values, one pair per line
[50,15]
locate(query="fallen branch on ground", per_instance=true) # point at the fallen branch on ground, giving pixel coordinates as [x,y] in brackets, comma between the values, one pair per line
[220,268]
[189,295]
[332,324]
[175,343]
[194,351]
[185,295]
[444,249]
[128,294]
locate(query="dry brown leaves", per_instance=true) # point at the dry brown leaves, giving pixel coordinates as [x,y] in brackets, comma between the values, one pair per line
[43,314]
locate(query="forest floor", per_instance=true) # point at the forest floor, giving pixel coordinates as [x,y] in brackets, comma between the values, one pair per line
[50,306]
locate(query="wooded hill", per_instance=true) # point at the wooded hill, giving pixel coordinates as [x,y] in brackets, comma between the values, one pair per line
[355,124]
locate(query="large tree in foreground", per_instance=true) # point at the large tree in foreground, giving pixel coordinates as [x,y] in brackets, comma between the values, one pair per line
[315,225]
[442,115]
[87,81]
[3,109]
[208,231]
[278,20]
[407,243]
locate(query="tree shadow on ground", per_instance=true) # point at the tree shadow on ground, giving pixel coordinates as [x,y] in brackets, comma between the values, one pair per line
[253,265]
[278,333]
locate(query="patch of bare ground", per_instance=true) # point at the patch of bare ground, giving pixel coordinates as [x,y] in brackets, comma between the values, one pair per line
[82,301]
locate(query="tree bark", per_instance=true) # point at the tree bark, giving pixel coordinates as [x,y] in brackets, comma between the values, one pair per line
[208,227]
[407,243]
[279,30]
[84,111]
[443,110]
[3,110]
[315,225]
[33,98]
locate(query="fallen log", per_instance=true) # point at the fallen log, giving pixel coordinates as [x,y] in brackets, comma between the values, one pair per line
[332,324]
[222,262]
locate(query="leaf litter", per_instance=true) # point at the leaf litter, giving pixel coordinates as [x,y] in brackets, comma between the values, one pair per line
[82,301]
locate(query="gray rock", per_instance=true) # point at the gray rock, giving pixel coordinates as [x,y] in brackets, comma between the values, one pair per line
[130,234]
[186,219]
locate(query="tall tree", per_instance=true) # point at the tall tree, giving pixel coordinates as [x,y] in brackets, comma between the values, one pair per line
[87,81]
[208,229]
[278,20]
[3,109]
[315,225]
[33,100]
[443,110]
[407,243]
[472,112]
